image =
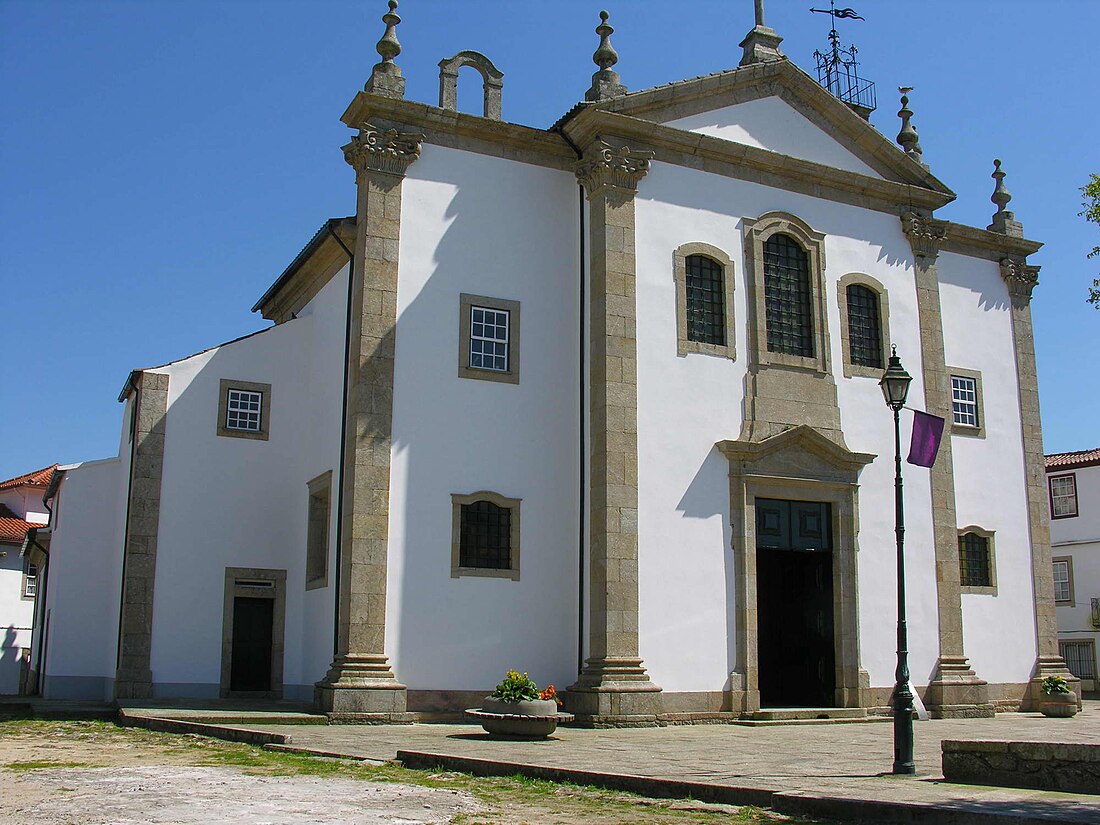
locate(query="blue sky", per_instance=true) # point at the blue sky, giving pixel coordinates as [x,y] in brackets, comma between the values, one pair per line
[161,162]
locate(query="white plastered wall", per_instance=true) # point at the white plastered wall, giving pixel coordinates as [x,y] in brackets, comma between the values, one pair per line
[501,229]
[989,472]
[769,123]
[686,404]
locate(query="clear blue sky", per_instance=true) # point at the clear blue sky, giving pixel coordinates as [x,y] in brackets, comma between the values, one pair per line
[162,162]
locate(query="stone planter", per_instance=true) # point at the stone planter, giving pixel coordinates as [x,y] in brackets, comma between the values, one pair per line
[1061,705]
[535,719]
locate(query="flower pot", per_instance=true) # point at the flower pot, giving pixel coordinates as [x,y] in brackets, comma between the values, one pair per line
[535,719]
[1062,705]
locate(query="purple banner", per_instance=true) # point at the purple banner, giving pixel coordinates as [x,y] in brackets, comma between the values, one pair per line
[927,432]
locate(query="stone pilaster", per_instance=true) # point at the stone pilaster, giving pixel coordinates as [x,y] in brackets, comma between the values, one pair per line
[613,688]
[360,685]
[133,676]
[1021,280]
[955,690]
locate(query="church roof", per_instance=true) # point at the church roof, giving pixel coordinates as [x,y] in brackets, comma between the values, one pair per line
[1068,461]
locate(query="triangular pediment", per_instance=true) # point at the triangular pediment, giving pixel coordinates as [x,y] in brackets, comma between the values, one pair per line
[800,452]
[777,107]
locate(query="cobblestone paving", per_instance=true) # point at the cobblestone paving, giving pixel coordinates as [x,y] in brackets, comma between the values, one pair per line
[848,760]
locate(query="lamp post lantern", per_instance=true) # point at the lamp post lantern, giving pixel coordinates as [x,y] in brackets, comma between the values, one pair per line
[895,389]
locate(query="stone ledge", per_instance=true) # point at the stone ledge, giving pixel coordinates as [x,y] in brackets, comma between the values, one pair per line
[1047,766]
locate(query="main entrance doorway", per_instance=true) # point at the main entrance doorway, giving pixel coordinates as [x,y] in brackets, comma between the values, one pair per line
[794,603]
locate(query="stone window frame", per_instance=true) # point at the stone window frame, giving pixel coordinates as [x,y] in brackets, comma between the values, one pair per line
[227,384]
[966,429]
[512,504]
[233,588]
[1050,494]
[322,483]
[863,279]
[990,537]
[679,270]
[755,232]
[465,303]
[1068,561]
[28,579]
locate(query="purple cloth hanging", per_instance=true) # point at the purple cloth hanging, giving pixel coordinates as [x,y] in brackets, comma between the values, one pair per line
[927,432]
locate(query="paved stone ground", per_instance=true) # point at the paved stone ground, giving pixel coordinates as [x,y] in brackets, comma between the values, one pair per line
[845,761]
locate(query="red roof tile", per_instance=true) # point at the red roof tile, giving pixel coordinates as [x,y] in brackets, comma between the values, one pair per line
[1066,461]
[39,478]
[13,528]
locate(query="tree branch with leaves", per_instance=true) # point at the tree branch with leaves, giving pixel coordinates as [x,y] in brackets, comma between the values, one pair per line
[1091,212]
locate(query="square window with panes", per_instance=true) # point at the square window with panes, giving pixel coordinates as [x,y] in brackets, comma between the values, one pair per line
[1063,496]
[975,565]
[964,400]
[243,410]
[30,581]
[489,339]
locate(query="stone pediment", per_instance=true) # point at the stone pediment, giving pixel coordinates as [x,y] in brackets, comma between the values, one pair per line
[842,135]
[800,453]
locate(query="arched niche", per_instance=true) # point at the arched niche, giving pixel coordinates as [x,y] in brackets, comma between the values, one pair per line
[448,81]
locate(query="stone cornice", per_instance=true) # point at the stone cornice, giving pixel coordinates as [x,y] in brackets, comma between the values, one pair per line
[612,167]
[1021,279]
[925,233]
[378,149]
[737,160]
[982,243]
[785,80]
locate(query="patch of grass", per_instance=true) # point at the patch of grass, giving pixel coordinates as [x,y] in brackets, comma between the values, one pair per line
[38,764]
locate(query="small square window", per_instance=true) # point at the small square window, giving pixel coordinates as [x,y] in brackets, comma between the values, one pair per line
[244,409]
[1063,496]
[967,417]
[485,535]
[488,339]
[1063,580]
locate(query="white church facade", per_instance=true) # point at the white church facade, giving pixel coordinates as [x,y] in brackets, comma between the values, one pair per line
[598,402]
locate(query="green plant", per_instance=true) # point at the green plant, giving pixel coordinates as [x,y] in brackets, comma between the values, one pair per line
[516,687]
[1055,684]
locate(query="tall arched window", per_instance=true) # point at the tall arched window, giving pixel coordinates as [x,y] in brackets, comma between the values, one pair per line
[706,305]
[864,327]
[787,297]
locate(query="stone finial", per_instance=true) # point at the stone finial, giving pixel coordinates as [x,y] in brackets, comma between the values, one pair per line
[616,167]
[606,83]
[1021,279]
[907,137]
[385,78]
[1004,221]
[761,45]
[382,150]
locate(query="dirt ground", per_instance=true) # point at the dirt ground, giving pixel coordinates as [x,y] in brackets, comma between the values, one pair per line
[93,773]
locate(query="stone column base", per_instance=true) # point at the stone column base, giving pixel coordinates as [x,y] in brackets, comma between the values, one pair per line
[615,693]
[957,692]
[134,683]
[1048,666]
[361,689]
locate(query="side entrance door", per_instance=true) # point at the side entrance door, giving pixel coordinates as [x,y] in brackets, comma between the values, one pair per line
[794,604]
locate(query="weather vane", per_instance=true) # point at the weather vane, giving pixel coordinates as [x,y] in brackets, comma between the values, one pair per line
[835,13]
[837,69]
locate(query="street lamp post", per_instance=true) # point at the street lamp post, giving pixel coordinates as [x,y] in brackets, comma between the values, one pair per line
[895,389]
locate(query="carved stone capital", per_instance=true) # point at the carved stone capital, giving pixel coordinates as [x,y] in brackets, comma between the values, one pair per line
[1021,279]
[612,167]
[382,150]
[925,233]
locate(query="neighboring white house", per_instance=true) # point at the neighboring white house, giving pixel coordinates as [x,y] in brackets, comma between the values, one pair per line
[21,509]
[598,402]
[1073,480]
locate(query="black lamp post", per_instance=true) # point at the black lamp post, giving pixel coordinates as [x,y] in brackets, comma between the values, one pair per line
[895,388]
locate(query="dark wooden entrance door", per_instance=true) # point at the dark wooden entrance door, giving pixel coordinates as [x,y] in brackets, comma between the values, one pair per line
[794,604]
[250,668]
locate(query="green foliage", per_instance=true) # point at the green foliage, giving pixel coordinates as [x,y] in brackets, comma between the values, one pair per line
[38,764]
[1091,212]
[1055,684]
[516,687]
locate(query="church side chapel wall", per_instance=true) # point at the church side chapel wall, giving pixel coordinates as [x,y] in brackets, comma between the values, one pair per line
[472,225]
[219,497]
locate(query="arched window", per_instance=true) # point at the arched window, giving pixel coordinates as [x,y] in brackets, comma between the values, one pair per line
[787,297]
[975,559]
[706,305]
[864,327]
